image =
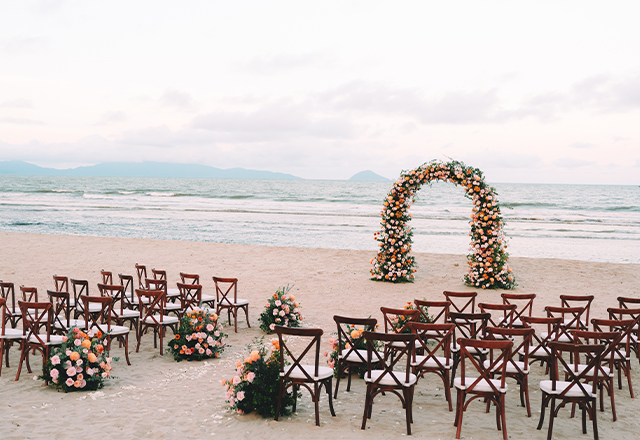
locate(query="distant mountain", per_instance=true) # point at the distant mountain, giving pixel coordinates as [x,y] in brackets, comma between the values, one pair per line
[141,169]
[369,176]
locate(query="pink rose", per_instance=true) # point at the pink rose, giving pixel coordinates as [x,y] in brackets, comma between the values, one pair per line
[69,382]
[209,327]
[55,360]
[54,373]
[77,342]
[251,376]
[236,380]
[240,395]
[71,371]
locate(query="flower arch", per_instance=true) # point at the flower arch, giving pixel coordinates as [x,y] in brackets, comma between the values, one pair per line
[488,268]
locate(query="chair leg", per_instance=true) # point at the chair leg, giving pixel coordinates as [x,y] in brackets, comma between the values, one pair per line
[627,371]
[327,384]
[1,354]
[595,422]
[23,353]
[447,389]
[161,331]
[280,393]
[407,412]
[335,395]
[316,398]
[246,312]
[502,410]
[125,340]
[460,411]
[552,410]
[366,415]
[542,410]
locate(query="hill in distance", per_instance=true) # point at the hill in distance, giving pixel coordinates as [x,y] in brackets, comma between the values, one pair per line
[141,169]
[369,176]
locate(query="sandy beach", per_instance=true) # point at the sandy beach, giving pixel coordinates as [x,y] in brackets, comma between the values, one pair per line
[158,398]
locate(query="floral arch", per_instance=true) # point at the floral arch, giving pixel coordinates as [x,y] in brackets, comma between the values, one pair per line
[488,268]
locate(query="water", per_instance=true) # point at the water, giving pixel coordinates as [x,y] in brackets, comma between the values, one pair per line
[579,222]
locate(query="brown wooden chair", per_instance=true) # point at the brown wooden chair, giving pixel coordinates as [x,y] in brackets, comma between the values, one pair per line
[13,314]
[518,370]
[152,315]
[8,336]
[435,341]
[573,390]
[502,315]
[620,351]
[434,312]
[79,288]
[524,306]
[461,302]
[62,321]
[29,294]
[540,350]
[190,296]
[227,298]
[141,272]
[401,383]
[129,295]
[468,326]
[571,320]
[161,284]
[571,301]
[396,320]
[193,278]
[121,310]
[298,374]
[35,317]
[172,293]
[101,321]
[633,305]
[351,357]
[107,277]
[483,386]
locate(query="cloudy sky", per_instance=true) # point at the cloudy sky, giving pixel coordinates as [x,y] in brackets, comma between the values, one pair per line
[529,92]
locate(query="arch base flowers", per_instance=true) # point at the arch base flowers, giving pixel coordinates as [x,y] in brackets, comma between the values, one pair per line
[487,259]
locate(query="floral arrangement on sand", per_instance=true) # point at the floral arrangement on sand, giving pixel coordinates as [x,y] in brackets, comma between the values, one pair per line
[487,260]
[281,309]
[353,334]
[199,336]
[255,384]
[81,363]
[399,321]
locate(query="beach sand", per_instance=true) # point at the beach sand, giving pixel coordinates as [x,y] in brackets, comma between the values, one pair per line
[159,398]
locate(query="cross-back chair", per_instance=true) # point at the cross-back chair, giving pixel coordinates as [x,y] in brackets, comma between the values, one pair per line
[227,298]
[12,311]
[8,336]
[540,350]
[516,369]
[29,294]
[629,308]
[299,374]
[161,284]
[483,386]
[61,307]
[583,301]
[194,278]
[502,315]
[101,321]
[61,283]
[435,312]
[79,288]
[190,296]
[172,293]
[619,352]
[141,272]
[152,315]
[351,354]
[121,312]
[461,302]
[387,379]
[469,326]
[107,277]
[435,341]
[524,306]
[571,320]
[129,295]
[574,389]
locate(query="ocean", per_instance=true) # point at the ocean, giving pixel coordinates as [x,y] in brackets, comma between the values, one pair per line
[577,222]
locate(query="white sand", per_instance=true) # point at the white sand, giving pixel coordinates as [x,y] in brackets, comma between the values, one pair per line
[157,397]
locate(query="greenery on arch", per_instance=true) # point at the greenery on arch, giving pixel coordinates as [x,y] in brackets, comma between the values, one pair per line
[487,259]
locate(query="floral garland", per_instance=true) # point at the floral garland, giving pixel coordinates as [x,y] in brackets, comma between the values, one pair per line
[487,260]
[81,363]
[255,385]
[281,309]
[199,336]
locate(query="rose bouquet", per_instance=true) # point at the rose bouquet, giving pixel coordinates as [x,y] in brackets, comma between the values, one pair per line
[400,321]
[199,336]
[281,309]
[255,385]
[81,363]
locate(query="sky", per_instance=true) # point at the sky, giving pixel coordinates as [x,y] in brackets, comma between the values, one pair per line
[537,92]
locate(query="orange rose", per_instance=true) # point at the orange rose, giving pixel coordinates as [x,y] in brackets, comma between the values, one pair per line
[74,356]
[92,357]
[86,343]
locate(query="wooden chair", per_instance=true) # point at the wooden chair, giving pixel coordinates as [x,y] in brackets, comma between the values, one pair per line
[141,272]
[129,295]
[461,302]
[121,310]
[101,321]
[35,317]
[8,336]
[583,301]
[524,306]
[62,321]
[29,294]
[227,298]
[401,383]
[12,311]
[571,320]
[81,287]
[437,312]
[172,293]
[351,357]
[573,390]
[107,277]
[192,278]
[632,305]
[468,326]
[160,284]
[540,350]
[396,320]
[502,315]
[435,340]
[483,386]
[518,370]
[298,374]
[619,352]
[190,296]
[152,315]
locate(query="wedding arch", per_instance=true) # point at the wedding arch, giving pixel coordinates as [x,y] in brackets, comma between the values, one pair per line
[487,259]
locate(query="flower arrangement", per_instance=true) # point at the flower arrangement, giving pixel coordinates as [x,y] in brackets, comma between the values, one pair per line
[487,260]
[399,321]
[255,385]
[199,336]
[281,309]
[81,363]
[353,334]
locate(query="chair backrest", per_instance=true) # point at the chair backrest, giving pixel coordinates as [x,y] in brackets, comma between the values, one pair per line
[3,316]
[396,320]
[541,343]
[29,294]
[61,309]
[461,302]
[524,335]
[152,305]
[296,357]
[578,301]
[107,277]
[116,293]
[497,362]
[61,283]
[577,376]
[36,315]
[610,339]
[141,271]
[79,287]
[571,318]
[523,302]
[190,295]
[97,320]
[502,315]
[626,302]
[8,293]
[624,328]
[159,274]
[190,278]
[433,338]
[436,312]
[349,333]
[469,325]
[226,290]
[126,281]
[404,348]
[156,284]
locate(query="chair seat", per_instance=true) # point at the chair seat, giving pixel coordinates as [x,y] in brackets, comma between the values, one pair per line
[115,330]
[511,368]
[93,307]
[237,303]
[72,323]
[173,293]
[567,321]
[388,379]
[483,385]
[402,344]
[536,352]
[172,306]
[207,298]
[432,363]
[353,357]
[472,350]
[581,367]
[561,385]
[53,339]
[517,322]
[126,313]
[166,320]
[561,338]
[12,333]
[297,372]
